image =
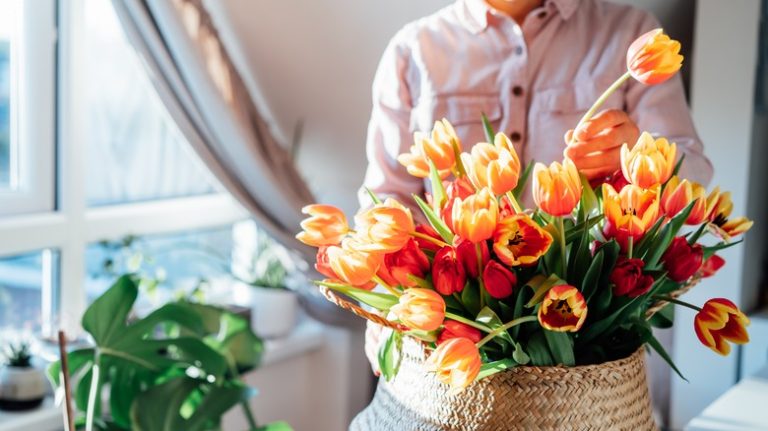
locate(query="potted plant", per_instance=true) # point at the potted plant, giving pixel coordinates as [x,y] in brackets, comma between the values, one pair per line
[22,387]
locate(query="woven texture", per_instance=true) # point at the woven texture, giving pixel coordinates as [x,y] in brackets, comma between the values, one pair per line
[609,396]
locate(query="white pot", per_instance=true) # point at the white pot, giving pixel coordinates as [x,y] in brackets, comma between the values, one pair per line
[21,388]
[274,312]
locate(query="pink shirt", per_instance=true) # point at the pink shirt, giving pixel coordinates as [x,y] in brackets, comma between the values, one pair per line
[533,82]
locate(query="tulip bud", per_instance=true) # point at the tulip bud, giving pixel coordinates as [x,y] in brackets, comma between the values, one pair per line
[498,280]
[557,188]
[454,329]
[466,252]
[448,274]
[719,322]
[711,265]
[424,244]
[326,225]
[654,57]
[456,363]
[474,218]
[420,309]
[628,278]
[353,266]
[650,162]
[681,260]
[563,309]
[409,260]
[494,166]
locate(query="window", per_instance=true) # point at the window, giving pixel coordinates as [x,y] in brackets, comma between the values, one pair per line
[89,157]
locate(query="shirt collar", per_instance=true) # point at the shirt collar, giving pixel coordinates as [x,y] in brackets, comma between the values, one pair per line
[474,13]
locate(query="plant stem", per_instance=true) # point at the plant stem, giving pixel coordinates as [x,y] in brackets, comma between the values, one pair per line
[246,407]
[630,246]
[676,301]
[513,201]
[505,327]
[599,102]
[468,322]
[435,241]
[93,392]
[391,289]
[479,253]
[459,163]
[563,256]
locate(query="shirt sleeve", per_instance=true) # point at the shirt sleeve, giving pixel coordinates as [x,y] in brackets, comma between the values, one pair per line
[389,130]
[663,111]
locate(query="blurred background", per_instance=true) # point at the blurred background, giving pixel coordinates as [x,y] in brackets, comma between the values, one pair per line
[116,156]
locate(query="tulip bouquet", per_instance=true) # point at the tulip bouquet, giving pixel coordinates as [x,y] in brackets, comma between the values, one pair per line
[579,279]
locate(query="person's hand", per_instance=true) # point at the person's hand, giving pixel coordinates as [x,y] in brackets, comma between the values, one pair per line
[372,343]
[596,147]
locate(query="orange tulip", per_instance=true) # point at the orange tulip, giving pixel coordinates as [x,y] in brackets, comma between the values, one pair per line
[563,309]
[556,189]
[474,218]
[650,162]
[629,213]
[421,309]
[456,363]
[494,166]
[440,147]
[721,206]
[416,163]
[719,322]
[353,266]
[385,227]
[519,240]
[326,225]
[678,194]
[654,57]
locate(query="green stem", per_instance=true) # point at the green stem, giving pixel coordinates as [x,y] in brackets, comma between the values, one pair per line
[244,403]
[505,327]
[563,256]
[459,163]
[630,246]
[468,322]
[391,289]
[676,301]
[514,202]
[599,102]
[479,253]
[435,241]
[93,392]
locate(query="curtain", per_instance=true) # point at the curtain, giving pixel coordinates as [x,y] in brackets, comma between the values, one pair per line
[205,95]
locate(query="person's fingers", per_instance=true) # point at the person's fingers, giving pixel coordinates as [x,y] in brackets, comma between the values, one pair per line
[603,172]
[598,144]
[607,119]
[607,159]
[568,136]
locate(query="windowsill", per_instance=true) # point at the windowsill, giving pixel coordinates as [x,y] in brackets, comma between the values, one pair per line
[305,338]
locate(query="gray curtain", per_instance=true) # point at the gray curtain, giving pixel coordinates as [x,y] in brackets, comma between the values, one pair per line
[206,97]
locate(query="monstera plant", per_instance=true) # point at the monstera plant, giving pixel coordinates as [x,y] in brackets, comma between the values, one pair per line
[178,368]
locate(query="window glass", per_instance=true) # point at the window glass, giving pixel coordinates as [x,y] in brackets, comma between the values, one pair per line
[9,31]
[21,292]
[135,151]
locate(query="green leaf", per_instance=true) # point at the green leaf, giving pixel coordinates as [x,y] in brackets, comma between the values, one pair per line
[652,341]
[523,180]
[588,202]
[495,367]
[667,234]
[709,251]
[538,351]
[696,235]
[519,355]
[541,286]
[373,196]
[489,318]
[379,301]
[592,277]
[436,222]
[575,231]
[488,128]
[641,248]
[275,426]
[438,191]
[470,297]
[561,346]
[77,360]
[390,355]
[663,318]
[105,318]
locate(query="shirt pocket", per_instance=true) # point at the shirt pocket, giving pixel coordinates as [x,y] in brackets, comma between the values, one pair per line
[463,111]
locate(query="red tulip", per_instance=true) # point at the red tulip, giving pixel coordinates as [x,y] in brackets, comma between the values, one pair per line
[409,260]
[711,265]
[466,252]
[448,274]
[427,230]
[681,260]
[628,278]
[454,329]
[498,280]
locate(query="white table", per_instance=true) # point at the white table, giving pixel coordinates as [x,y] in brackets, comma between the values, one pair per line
[743,408]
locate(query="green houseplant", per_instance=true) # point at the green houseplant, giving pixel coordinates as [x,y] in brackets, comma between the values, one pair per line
[178,368]
[22,386]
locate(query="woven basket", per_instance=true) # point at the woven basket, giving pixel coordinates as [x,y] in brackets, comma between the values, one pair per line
[610,396]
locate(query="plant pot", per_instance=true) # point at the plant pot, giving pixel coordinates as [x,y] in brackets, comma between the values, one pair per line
[274,311]
[609,396]
[21,388]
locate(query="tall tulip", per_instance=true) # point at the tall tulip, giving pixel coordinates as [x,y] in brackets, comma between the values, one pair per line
[650,162]
[326,225]
[654,57]
[456,363]
[682,260]
[474,218]
[398,266]
[722,225]
[718,322]
[448,274]
[421,309]
[678,194]
[629,213]
[563,309]
[493,166]
[499,282]
[557,188]
[384,228]
[519,240]
[352,266]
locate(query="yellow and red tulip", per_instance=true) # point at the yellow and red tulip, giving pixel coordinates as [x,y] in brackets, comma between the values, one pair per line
[563,309]
[654,57]
[384,228]
[353,266]
[421,309]
[629,213]
[474,218]
[455,362]
[494,166]
[454,329]
[678,194]
[519,240]
[721,206]
[719,322]
[557,188]
[650,162]
[326,225]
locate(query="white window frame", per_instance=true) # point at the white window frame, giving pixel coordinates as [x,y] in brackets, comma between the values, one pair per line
[71,226]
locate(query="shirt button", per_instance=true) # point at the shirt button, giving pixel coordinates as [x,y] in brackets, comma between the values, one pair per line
[519,50]
[517,90]
[542,15]
[515,136]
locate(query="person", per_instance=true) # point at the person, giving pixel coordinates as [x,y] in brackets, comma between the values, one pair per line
[533,68]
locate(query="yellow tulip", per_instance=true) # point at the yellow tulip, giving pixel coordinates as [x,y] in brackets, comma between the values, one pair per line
[650,162]
[475,217]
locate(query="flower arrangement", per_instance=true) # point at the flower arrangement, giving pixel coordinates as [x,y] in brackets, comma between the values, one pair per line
[578,279]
